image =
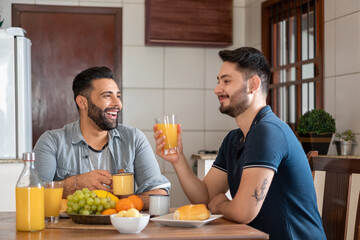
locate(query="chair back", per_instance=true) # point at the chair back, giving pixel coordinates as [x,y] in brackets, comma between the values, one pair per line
[339,172]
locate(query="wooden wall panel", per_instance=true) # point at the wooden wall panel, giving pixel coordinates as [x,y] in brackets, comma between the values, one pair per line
[189,22]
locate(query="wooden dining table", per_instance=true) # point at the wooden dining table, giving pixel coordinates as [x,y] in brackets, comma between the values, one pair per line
[217,229]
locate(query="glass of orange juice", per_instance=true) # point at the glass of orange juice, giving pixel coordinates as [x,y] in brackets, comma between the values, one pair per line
[123,183]
[168,126]
[53,195]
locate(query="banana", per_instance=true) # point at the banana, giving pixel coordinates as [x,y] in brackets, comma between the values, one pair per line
[104,194]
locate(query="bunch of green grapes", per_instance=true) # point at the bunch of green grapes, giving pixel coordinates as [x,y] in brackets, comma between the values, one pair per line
[85,202]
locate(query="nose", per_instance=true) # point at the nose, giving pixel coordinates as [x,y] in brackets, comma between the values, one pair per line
[116,101]
[218,89]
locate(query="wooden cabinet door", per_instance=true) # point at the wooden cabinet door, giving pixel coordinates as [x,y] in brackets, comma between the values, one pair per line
[65,41]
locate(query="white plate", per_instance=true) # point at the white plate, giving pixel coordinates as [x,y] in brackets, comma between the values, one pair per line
[169,220]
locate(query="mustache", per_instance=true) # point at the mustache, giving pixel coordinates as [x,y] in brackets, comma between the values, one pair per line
[223,95]
[114,108]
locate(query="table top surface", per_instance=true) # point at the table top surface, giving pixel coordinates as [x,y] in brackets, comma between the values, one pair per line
[218,229]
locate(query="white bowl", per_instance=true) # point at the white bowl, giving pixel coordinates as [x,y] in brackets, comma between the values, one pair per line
[130,224]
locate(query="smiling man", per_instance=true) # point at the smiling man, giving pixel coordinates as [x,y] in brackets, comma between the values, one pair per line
[261,162]
[87,152]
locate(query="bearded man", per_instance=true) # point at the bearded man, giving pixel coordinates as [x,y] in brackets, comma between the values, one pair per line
[262,163]
[87,152]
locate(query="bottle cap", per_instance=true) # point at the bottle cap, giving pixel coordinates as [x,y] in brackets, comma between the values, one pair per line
[29,156]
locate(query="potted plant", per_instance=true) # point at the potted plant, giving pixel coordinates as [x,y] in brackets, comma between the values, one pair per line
[345,142]
[315,129]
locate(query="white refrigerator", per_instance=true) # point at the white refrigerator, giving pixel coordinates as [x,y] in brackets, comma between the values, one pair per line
[15,93]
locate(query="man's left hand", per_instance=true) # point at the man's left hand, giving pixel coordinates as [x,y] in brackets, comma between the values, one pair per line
[217,202]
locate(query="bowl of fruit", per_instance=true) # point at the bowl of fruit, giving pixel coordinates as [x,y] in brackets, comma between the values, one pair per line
[95,207]
[130,221]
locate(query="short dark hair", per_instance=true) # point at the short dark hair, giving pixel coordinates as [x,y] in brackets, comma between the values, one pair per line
[250,62]
[82,83]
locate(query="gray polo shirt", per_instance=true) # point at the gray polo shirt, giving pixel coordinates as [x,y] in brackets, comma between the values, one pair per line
[62,153]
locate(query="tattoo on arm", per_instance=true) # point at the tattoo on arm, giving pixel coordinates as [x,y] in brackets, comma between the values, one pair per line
[259,194]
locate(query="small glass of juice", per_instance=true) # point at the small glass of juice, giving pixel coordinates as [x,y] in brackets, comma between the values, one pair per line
[168,126]
[53,195]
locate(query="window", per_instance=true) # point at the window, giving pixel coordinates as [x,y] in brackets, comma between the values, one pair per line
[292,41]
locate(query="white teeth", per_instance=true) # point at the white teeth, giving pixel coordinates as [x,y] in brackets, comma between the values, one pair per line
[112,113]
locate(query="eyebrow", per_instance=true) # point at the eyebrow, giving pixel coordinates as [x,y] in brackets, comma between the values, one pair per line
[110,92]
[223,76]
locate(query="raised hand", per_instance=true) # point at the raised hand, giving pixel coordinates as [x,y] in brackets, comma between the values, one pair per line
[160,143]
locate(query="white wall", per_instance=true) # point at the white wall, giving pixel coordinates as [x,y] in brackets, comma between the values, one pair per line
[342,64]
[9,174]
[162,80]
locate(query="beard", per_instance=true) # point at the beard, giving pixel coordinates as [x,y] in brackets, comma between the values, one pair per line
[239,102]
[99,116]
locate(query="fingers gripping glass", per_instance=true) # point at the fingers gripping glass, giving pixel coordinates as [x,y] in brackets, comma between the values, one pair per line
[168,126]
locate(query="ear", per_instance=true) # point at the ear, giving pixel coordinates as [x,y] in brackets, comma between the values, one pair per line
[81,101]
[254,84]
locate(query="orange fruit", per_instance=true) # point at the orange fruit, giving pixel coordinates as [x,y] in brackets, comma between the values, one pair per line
[124,204]
[137,201]
[109,211]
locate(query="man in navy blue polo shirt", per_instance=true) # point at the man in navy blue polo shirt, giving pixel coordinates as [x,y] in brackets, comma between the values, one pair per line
[261,162]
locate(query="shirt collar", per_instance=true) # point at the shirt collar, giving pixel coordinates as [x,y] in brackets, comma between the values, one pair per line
[78,137]
[238,142]
[265,110]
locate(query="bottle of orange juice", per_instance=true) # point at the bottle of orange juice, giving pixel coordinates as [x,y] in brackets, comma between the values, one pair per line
[29,197]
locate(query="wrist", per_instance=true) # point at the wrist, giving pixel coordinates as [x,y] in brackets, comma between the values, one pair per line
[75,182]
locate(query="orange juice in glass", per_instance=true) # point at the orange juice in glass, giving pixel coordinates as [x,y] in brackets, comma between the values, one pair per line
[168,126]
[29,208]
[123,184]
[53,195]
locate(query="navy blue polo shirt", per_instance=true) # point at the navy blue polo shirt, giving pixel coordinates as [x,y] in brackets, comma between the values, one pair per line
[290,209]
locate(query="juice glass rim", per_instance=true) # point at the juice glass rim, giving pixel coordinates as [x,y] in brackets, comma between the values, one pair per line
[54,184]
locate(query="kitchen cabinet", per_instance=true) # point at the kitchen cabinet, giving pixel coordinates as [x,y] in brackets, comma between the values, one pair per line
[188,22]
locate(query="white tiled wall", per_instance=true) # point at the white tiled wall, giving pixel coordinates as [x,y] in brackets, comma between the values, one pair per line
[347,59]
[342,64]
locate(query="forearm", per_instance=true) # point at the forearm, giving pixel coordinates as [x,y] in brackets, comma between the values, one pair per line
[246,205]
[194,188]
[146,199]
[235,212]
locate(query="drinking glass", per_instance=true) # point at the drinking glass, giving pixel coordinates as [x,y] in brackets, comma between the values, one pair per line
[168,126]
[53,195]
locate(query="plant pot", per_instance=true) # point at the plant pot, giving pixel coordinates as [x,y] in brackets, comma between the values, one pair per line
[317,142]
[344,148]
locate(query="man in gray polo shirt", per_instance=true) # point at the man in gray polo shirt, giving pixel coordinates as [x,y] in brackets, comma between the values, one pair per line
[87,152]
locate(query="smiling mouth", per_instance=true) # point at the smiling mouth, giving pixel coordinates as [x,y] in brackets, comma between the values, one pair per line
[112,114]
[222,98]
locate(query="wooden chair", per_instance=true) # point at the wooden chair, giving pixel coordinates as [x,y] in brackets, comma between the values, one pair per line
[309,155]
[335,209]
[357,222]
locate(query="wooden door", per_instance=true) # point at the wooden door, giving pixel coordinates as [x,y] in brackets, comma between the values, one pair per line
[65,41]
